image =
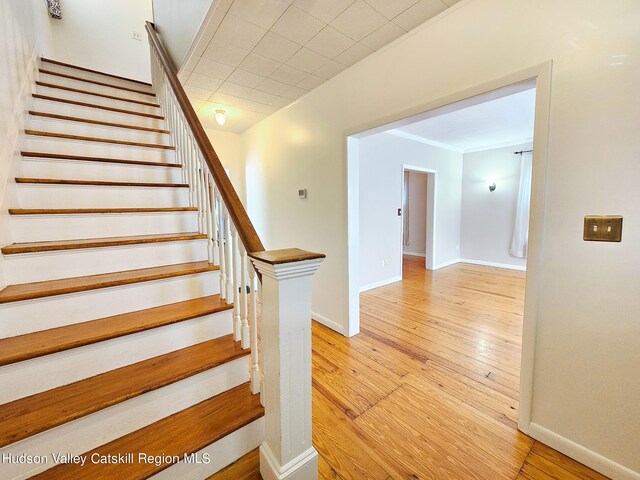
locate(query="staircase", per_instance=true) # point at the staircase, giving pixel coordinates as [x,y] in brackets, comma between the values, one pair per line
[114,337]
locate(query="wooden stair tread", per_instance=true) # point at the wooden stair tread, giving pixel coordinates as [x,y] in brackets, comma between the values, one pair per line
[27,291]
[66,136]
[75,211]
[45,342]
[96,122]
[59,181]
[54,245]
[93,105]
[36,413]
[95,82]
[95,94]
[83,158]
[184,432]
[246,467]
[84,69]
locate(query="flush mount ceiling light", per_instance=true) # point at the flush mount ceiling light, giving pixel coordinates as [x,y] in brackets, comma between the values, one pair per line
[221,117]
[492,184]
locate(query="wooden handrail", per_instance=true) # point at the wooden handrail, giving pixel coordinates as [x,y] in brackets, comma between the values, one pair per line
[244,227]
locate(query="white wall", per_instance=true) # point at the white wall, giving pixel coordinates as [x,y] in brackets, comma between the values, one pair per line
[24,35]
[178,23]
[98,35]
[586,383]
[381,161]
[488,217]
[417,215]
[229,148]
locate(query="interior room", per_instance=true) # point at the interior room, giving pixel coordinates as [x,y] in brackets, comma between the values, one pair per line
[473,158]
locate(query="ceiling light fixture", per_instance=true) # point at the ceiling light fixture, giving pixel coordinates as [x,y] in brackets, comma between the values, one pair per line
[221,117]
[492,184]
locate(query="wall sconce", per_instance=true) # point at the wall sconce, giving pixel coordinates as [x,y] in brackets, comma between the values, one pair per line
[221,117]
[492,184]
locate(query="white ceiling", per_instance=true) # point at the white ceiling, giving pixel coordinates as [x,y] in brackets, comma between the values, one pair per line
[257,56]
[500,122]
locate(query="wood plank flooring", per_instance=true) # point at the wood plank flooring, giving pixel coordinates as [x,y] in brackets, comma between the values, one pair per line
[429,388]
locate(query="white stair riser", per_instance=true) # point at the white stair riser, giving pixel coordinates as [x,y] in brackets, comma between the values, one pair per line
[98,149]
[44,124]
[42,266]
[221,454]
[35,167]
[62,368]
[89,196]
[34,228]
[18,318]
[94,99]
[61,108]
[94,76]
[92,87]
[89,432]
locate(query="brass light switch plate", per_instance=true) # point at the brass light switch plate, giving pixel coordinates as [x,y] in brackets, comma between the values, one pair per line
[603,228]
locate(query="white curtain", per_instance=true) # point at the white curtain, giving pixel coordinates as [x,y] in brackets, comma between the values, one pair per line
[521,224]
[405,210]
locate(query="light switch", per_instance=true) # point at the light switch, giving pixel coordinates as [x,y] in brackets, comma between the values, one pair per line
[603,228]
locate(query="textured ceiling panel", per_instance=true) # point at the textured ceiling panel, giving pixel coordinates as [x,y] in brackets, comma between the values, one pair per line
[257,56]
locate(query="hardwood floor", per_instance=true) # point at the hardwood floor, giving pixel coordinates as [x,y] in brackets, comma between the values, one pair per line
[429,389]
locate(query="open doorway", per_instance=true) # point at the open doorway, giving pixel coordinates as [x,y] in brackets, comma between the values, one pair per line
[417,212]
[449,214]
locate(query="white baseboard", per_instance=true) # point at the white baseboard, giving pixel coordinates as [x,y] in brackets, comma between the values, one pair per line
[493,264]
[381,283]
[328,323]
[303,467]
[415,254]
[581,454]
[446,264]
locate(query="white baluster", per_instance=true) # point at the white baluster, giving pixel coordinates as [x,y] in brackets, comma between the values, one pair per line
[164,94]
[185,154]
[154,76]
[203,193]
[228,252]
[243,297]
[171,114]
[197,186]
[223,269]
[187,158]
[180,150]
[194,178]
[209,217]
[174,125]
[214,223]
[260,324]
[256,376]
[237,319]
[173,129]
[166,103]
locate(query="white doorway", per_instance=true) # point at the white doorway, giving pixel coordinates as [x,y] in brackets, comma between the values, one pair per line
[418,214]
[538,77]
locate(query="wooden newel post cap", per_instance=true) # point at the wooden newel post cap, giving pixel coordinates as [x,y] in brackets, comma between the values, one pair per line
[286,255]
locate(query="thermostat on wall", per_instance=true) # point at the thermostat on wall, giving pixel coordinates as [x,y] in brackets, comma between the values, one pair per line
[302,193]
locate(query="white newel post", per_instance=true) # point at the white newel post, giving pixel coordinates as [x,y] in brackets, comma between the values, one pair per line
[287,452]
